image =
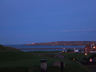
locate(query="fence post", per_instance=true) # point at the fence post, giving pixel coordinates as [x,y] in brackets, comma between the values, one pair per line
[61,66]
[43,65]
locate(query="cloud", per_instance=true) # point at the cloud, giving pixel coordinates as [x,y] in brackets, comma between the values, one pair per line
[76,30]
[80,30]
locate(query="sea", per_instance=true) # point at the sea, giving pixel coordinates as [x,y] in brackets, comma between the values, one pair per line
[29,48]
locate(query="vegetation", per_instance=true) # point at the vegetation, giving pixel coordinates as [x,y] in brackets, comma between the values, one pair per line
[8,49]
[16,61]
[24,61]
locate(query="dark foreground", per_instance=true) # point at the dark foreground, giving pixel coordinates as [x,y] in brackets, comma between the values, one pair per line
[91,68]
[30,62]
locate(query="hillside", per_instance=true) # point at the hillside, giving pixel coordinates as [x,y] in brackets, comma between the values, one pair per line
[64,43]
[7,49]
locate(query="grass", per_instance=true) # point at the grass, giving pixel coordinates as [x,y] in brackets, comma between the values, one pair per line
[23,61]
[16,61]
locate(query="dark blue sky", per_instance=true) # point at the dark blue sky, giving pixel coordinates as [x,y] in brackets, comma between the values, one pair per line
[27,21]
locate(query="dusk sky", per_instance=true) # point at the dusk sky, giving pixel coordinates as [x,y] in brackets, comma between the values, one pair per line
[27,21]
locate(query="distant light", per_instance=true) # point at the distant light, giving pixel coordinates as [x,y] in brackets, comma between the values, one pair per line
[86,54]
[62,51]
[33,43]
[94,47]
[90,60]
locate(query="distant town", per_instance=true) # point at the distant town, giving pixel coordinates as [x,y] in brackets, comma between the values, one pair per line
[84,46]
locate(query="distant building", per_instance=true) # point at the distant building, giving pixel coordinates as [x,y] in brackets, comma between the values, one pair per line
[76,50]
[90,48]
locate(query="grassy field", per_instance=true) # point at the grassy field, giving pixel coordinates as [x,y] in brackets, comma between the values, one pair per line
[16,61]
[24,61]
